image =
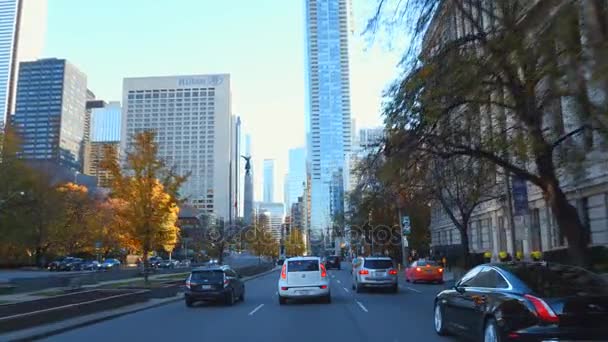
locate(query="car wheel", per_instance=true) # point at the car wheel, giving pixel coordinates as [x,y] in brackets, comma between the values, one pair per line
[230,298]
[189,303]
[327,299]
[353,286]
[282,300]
[395,288]
[243,295]
[439,320]
[358,288]
[490,332]
[407,279]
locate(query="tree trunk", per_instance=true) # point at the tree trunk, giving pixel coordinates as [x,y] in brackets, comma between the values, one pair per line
[39,256]
[464,242]
[569,224]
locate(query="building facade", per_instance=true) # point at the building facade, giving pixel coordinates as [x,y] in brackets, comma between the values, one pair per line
[296,177]
[22,31]
[104,138]
[494,226]
[50,112]
[268,180]
[192,118]
[276,215]
[328,135]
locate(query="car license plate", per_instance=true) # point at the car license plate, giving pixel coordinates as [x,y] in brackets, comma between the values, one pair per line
[206,287]
[302,292]
[429,271]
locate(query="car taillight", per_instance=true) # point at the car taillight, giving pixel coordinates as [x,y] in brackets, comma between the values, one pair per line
[284,271]
[283,288]
[392,271]
[323,286]
[418,269]
[323,271]
[364,272]
[226,282]
[543,310]
[440,270]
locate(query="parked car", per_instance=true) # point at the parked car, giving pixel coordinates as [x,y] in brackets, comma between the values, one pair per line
[70,264]
[334,262]
[185,263]
[110,264]
[90,265]
[303,277]
[424,270]
[375,272]
[280,261]
[168,263]
[214,283]
[522,301]
[155,261]
[54,265]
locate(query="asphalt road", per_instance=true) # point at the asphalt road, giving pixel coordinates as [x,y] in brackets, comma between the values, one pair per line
[368,316]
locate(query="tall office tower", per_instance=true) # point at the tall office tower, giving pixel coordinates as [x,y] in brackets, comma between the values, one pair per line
[91,103]
[296,176]
[50,112]
[268,180]
[328,105]
[236,167]
[22,30]
[276,214]
[104,138]
[191,116]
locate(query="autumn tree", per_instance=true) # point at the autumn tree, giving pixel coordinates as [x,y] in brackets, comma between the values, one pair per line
[506,83]
[75,205]
[150,191]
[110,227]
[294,243]
[260,240]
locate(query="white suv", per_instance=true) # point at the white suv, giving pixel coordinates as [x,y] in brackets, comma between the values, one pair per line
[378,272]
[303,277]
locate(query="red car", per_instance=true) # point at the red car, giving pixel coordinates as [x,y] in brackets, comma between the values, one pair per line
[424,270]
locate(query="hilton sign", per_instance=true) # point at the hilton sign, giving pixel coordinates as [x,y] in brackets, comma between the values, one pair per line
[209,81]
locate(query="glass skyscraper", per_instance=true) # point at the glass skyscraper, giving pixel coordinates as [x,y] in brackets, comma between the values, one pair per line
[328,106]
[105,123]
[50,112]
[268,180]
[296,176]
[26,21]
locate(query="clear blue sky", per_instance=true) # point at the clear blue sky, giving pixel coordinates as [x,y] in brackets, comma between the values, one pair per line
[259,42]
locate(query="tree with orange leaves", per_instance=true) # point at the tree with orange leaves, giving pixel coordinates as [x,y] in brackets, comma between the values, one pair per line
[150,191]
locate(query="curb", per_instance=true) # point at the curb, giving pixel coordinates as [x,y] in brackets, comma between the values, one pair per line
[22,335]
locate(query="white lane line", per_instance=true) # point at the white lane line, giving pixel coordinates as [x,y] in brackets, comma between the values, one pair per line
[256,309]
[345,289]
[333,276]
[412,289]
[339,282]
[362,306]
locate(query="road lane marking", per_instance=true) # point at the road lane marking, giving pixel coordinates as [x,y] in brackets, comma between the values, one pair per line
[276,293]
[412,289]
[333,276]
[256,309]
[339,282]
[362,306]
[345,289]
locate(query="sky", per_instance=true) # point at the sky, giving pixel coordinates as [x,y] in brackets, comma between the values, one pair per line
[260,43]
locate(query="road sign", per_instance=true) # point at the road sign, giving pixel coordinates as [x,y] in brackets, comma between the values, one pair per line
[406,227]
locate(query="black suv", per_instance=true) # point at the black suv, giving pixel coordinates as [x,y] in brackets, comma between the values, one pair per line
[333,262]
[214,283]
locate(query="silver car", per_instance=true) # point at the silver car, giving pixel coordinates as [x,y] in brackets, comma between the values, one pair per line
[375,272]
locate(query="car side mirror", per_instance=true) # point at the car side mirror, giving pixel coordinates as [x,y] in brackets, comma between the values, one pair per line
[458,288]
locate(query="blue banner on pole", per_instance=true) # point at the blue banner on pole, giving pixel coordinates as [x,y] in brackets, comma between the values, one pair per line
[519,190]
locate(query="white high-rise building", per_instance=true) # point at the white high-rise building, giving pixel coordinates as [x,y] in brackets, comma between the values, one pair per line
[22,33]
[268,180]
[328,109]
[192,118]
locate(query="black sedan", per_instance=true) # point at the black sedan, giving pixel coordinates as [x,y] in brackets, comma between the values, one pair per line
[333,262]
[525,302]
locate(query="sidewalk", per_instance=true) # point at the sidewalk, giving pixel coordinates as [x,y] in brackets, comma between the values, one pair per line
[25,296]
[51,329]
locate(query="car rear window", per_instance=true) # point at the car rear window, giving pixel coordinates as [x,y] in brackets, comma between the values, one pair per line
[209,276]
[553,280]
[428,262]
[302,266]
[378,264]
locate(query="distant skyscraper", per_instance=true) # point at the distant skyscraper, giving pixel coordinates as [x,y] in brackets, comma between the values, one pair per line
[276,212]
[105,133]
[191,116]
[22,30]
[268,180]
[236,167]
[296,176]
[50,112]
[328,104]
